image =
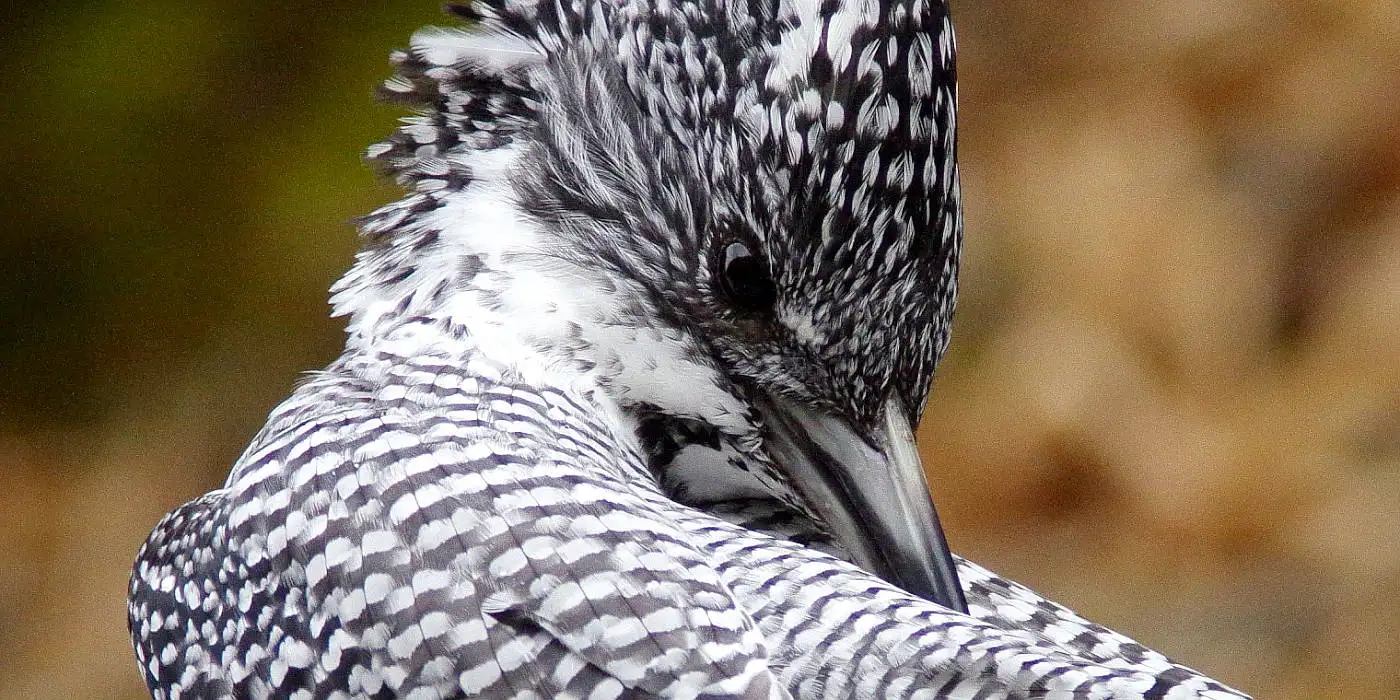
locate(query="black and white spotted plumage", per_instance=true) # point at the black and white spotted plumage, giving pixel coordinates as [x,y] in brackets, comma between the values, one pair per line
[538,469]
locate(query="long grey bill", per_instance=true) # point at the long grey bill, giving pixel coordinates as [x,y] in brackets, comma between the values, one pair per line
[871,492]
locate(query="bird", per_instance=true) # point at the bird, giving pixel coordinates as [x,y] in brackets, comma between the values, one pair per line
[625,404]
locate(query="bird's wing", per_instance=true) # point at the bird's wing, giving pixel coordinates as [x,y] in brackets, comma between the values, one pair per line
[1020,610]
[452,536]
[240,611]
[450,531]
[836,631]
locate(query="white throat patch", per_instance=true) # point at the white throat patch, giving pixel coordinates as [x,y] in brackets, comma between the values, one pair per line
[495,275]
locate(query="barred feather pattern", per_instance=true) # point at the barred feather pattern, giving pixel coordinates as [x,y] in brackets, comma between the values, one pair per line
[463,505]
[429,523]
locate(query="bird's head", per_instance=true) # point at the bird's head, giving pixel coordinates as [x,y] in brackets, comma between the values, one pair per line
[742,218]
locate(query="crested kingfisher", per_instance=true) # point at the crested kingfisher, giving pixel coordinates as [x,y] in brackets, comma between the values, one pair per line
[625,404]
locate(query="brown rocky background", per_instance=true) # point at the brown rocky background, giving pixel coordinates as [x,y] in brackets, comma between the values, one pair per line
[1172,402]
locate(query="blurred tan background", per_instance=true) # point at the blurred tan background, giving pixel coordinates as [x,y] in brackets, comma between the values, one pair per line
[1172,402]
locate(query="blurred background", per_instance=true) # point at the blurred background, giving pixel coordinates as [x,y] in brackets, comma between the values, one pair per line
[1172,400]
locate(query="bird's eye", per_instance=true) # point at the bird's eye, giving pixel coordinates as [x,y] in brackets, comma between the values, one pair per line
[746,280]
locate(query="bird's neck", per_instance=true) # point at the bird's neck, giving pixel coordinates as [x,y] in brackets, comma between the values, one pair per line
[476,261]
[475,258]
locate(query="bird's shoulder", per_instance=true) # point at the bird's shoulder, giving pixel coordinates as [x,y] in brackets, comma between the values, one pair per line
[422,522]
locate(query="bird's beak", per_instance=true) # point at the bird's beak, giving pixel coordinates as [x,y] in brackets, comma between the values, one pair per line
[871,493]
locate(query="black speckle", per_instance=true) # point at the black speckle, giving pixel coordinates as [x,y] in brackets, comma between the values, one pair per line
[401,275]
[1166,680]
[439,291]
[491,299]
[427,239]
[820,71]
[470,265]
[463,10]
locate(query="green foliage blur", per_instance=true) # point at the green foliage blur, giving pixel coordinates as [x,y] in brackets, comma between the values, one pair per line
[179,179]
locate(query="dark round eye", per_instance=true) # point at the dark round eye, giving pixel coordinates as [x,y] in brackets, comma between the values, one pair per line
[745,279]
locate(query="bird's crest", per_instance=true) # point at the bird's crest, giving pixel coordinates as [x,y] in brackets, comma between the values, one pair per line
[852,99]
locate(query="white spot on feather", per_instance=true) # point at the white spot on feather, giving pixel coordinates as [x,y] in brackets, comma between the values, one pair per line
[446,47]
